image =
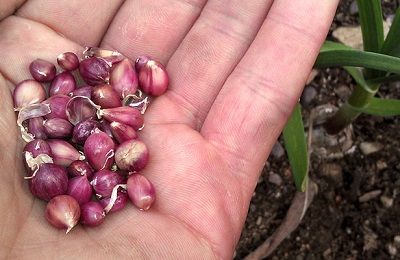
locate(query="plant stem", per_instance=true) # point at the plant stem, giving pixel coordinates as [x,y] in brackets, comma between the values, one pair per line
[347,112]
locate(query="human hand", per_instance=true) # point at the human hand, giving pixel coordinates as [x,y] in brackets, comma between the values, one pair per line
[237,68]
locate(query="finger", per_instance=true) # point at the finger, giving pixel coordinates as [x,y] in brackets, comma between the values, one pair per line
[9,7]
[259,96]
[13,200]
[154,28]
[22,41]
[210,51]
[84,22]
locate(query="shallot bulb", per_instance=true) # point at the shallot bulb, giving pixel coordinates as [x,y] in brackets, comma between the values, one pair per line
[83,130]
[153,78]
[57,128]
[122,132]
[49,181]
[63,152]
[127,115]
[64,83]
[63,212]
[80,168]
[42,70]
[36,153]
[92,214]
[80,189]
[28,92]
[118,204]
[94,71]
[105,96]
[83,154]
[124,79]
[131,155]
[36,128]
[68,61]
[104,181]
[99,150]
[140,191]
[58,106]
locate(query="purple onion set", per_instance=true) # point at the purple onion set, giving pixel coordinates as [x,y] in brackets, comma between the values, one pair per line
[80,118]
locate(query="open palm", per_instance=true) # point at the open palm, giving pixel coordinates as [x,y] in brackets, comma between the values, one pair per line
[236,70]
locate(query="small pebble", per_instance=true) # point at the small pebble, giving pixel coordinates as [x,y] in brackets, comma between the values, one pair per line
[380,165]
[396,240]
[370,147]
[308,96]
[391,249]
[253,208]
[275,179]
[353,9]
[277,150]
[259,221]
[343,91]
[333,172]
[387,201]
[369,196]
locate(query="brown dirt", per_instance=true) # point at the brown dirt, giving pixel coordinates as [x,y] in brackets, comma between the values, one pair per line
[356,212]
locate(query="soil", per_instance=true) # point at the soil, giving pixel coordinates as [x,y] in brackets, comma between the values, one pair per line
[355,214]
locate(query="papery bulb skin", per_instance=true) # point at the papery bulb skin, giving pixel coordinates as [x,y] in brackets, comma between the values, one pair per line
[153,78]
[109,56]
[80,108]
[94,71]
[63,212]
[42,70]
[131,155]
[92,214]
[64,83]
[50,180]
[124,79]
[120,202]
[36,128]
[28,92]
[31,152]
[99,150]
[38,146]
[140,191]
[68,61]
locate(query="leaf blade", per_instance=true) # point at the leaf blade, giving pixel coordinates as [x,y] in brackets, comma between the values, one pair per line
[296,148]
[381,107]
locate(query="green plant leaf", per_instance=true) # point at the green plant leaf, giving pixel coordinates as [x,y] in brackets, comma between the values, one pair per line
[384,79]
[296,148]
[358,76]
[370,12]
[381,107]
[391,45]
[355,58]
[333,46]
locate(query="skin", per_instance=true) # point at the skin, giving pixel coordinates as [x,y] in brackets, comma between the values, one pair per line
[237,69]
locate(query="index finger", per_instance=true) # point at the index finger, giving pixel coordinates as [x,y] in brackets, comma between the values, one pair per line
[258,97]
